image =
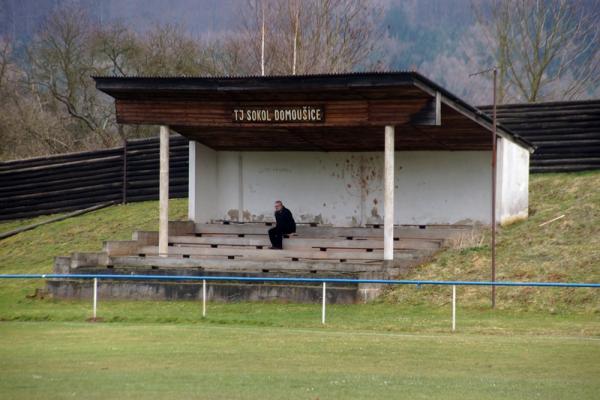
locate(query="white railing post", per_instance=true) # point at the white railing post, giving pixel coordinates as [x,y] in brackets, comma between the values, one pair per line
[95,298]
[324,302]
[453,308]
[203,298]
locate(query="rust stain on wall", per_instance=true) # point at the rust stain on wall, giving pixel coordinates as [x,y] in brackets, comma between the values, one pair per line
[366,177]
[318,219]
[375,212]
[233,214]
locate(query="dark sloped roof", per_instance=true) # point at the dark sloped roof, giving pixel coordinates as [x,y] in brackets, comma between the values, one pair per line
[566,133]
[344,85]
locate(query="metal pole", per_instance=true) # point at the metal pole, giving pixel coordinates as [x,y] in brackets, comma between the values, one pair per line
[124,199]
[262,42]
[453,308]
[493,211]
[204,298]
[324,302]
[494,191]
[95,298]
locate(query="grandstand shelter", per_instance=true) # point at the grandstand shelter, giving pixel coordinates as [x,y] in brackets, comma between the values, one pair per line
[342,150]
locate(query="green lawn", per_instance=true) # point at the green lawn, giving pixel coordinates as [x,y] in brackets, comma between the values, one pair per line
[145,349]
[53,360]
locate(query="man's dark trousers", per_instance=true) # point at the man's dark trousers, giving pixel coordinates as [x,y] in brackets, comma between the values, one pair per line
[276,236]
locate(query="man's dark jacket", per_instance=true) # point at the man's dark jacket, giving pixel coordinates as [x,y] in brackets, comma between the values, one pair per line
[285,221]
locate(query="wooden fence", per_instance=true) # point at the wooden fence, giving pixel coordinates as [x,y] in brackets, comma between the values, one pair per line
[67,182]
[567,134]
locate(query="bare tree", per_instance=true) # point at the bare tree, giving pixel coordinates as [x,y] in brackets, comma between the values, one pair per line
[168,50]
[544,50]
[229,55]
[27,128]
[62,62]
[453,69]
[57,104]
[5,53]
[311,36]
[117,48]
[6,139]
[49,103]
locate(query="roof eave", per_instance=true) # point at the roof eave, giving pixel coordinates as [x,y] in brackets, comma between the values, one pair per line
[115,85]
[472,112]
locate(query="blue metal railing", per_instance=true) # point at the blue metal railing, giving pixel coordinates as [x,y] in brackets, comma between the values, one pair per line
[323,281]
[299,280]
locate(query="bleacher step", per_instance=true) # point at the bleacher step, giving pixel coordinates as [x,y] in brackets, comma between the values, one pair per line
[295,242]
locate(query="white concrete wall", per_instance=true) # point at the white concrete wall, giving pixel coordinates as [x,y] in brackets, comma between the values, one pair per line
[512,182]
[202,182]
[443,187]
[346,189]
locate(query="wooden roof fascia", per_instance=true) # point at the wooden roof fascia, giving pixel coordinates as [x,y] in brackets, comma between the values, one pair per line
[303,83]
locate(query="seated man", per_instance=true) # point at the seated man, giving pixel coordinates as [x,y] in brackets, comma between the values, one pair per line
[285,225]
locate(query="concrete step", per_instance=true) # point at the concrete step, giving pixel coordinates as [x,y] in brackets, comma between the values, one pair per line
[400,232]
[248,265]
[267,254]
[295,242]
[226,291]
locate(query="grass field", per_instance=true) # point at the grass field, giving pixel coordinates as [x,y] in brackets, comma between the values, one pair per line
[166,350]
[162,361]
[539,343]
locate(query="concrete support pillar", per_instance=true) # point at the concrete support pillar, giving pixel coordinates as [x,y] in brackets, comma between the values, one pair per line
[192,181]
[241,187]
[388,196]
[163,226]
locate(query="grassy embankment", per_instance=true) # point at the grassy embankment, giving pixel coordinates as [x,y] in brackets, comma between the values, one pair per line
[537,344]
[565,250]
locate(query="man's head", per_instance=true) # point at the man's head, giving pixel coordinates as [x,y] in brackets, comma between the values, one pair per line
[278,205]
